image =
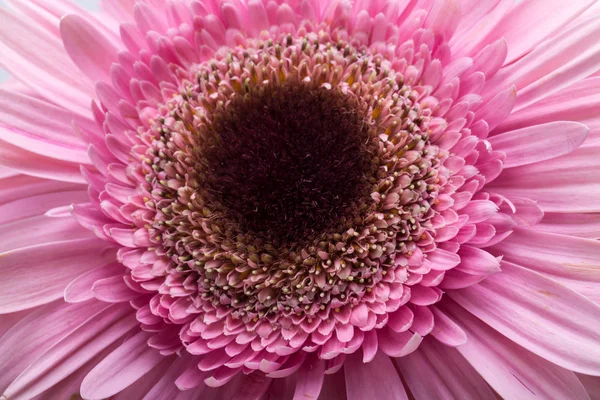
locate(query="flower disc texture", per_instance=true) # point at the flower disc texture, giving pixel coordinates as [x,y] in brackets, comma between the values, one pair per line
[307,199]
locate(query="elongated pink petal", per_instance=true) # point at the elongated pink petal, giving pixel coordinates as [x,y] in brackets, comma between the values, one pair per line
[366,381]
[38,60]
[579,102]
[90,50]
[435,371]
[581,225]
[446,330]
[42,118]
[511,370]
[569,260]
[25,341]
[554,65]
[121,368]
[309,380]
[73,351]
[530,22]
[80,288]
[18,187]
[540,314]
[37,165]
[37,275]
[39,230]
[563,184]
[544,142]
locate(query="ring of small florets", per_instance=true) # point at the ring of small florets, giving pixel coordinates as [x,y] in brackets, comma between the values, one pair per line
[257,275]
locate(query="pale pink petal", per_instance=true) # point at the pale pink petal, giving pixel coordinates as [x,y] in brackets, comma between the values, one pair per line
[473,36]
[563,184]
[113,290]
[38,205]
[435,371]
[73,351]
[446,330]
[477,262]
[569,260]
[37,275]
[91,51]
[25,341]
[39,230]
[21,186]
[579,102]
[544,142]
[42,119]
[581,225]
[397,344]
[80,288]
[375,380]
[121,368]
[309,380]
[512,371]
[530,22]
[554,65]
[495,111]
[540,314]
[37,165]
[39,61]
[164,387]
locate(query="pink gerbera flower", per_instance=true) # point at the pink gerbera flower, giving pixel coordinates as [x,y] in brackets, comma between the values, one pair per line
[300,199]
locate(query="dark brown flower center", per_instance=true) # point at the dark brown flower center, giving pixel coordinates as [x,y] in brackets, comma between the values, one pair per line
[289,162]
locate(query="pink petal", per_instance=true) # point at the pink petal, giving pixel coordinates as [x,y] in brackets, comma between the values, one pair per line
[569,260]
[113,290]
[435,371]
[591,384]
[30,114]
[375,380]
[309,380]
[87,47]
[397,344]
[477,262]
[38,59]
[563,184]
[495,111]
[73,351]
[164,387]
[530,22]
[567,58]
[80,288]
[479,210]
[540,314]
[579,102]
[581,225]
[39,230]
[442,260]
[37,165]
[21,186]
[446,330]
[121,368]
[544,142]
[25,341]
[512,371]
[37,275]
[38,205]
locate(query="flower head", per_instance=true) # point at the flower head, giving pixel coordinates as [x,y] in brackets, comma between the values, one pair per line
[299,199]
